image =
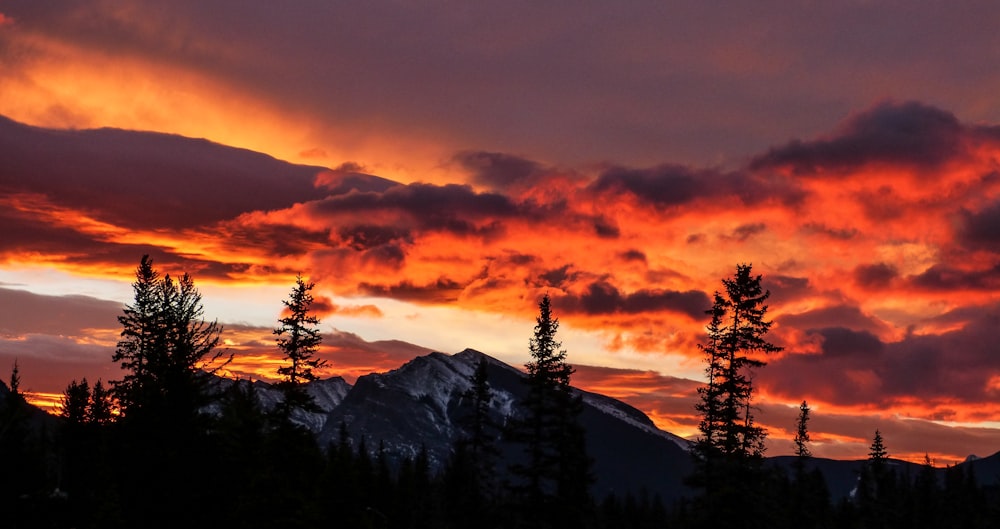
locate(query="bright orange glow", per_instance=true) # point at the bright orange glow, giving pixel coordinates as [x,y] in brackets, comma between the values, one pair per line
[50,402]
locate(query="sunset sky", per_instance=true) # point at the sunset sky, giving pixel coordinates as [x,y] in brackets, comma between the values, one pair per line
[437,168]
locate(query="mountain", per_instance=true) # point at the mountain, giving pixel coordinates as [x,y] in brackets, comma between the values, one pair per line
[418,406]
[327,393]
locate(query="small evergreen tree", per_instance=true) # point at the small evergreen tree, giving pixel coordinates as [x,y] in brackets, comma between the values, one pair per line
[877,453]
[802,432]
[299,339]
[802,451]
[75,405]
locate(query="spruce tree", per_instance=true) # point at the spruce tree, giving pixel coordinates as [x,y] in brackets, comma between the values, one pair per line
[167,352]
[298,339]
[802,451]
[554,477]
[877,453]
[75,405]
[166,348]
[802,432]
[729,450]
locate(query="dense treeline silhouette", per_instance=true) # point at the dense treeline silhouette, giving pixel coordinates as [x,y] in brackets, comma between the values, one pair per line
[166,446]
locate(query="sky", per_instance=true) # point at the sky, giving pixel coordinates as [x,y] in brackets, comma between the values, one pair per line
[437,167]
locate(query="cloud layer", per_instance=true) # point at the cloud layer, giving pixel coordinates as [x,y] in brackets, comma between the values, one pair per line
[876,241]
[471,159]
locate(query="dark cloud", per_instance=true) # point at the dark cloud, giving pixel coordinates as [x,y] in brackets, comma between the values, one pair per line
[557,277]
[389,255]
[48,363]
[137,180]
[844,234]
[24,313]
[453,208]
[366,236]
[847,316]
[499,170]
[877,275]
[633,255]
[324,307]
[855,367]
[942,277]
[606,229]
[842,342]
[604,298]
[272,239]
[444,290]
[910,134]
[980,229]
[787,288]
[745,231]
[348,177]
[675,185]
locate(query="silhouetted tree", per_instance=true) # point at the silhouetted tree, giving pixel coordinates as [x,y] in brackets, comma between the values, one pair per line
[166,347]
[75,405]
[802,432]
[470,476]
[298,339]
[802,452]
[877,454]
[554,478]
[729,450]
[24,476]
[167,352]
[101,409]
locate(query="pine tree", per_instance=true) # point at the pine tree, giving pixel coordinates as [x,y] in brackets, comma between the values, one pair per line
[802,451]
[142,334]
[167,352]
[877,453]
[100,410]
[299,339]
[555,474]
[729,450]
[75,405]
[166,348]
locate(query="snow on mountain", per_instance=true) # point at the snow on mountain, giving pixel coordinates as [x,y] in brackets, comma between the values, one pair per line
[327,393]
[420,405]
[632,416]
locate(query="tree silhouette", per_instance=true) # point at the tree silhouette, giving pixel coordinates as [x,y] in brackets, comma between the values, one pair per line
[165,349]
[299,339]
[554,478]
[470,477]
[167,352]
[729,451]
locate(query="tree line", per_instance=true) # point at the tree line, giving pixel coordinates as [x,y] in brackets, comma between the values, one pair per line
[167,445]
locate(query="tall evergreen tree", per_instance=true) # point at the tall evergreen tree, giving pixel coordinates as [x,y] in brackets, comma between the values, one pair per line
[729,450]
[554,476]
[299,339]
[166,347]
[167,352]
